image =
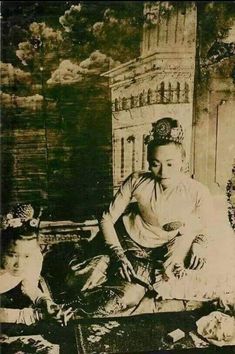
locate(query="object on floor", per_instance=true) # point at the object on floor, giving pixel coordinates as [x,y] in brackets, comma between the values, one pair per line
[142,333]
[218,328]
[199,343]
[176,335]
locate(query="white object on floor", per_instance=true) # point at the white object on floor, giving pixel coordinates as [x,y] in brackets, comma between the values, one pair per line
[176,335]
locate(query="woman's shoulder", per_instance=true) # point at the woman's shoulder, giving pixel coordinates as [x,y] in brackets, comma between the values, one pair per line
[139,177]
[195,186]
[141,174]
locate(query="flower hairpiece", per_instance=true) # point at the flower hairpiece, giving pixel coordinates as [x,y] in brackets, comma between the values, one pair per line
[149,138]
[165,130]
[19,215]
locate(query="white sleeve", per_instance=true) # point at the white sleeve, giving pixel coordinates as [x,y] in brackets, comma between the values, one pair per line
[115,210]
[205,208]
[32,275]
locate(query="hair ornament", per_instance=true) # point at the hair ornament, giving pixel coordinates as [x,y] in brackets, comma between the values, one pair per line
[19,215]
[166,130]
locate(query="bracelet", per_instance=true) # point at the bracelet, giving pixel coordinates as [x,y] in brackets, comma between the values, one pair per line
[200,239]
[41,299]
[118,252]
[38,314]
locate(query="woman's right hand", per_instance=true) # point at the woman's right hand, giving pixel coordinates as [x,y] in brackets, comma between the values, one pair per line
[125,267]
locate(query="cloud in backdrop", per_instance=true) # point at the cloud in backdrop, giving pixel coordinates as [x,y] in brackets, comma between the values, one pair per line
[69,17]
[12,76]
[31,102]
[43,38]
[69,72]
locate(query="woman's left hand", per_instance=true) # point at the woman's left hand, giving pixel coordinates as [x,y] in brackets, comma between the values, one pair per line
[197,256]
[179,270]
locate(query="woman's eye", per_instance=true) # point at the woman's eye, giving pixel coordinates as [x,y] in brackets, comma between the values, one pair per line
[26,256]
[169,164]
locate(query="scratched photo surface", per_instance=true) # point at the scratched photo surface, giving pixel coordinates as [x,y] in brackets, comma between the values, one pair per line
[117,177]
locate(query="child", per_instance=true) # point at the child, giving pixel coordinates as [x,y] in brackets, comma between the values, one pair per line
[22,301]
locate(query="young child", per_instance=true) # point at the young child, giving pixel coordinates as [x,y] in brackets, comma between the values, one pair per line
[171,225]
[22,301]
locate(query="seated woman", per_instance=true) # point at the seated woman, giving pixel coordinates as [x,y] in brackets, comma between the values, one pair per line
[22,301]
[165,240]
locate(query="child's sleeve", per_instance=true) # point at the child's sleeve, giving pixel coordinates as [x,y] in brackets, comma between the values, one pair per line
[30,283]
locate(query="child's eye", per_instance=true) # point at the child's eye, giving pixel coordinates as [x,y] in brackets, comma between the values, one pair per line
[26,256]
[11,254]
[169,164]
[155,164]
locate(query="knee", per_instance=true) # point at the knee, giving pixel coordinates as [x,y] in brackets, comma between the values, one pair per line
[132,295]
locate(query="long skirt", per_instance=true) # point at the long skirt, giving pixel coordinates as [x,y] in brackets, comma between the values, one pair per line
[216,280]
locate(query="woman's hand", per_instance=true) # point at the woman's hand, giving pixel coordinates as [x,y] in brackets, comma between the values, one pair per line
[197,253]
[179,270]
[125,267]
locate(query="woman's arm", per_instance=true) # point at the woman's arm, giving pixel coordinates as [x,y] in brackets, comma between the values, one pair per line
[204,212]
[115,210]
[109,218]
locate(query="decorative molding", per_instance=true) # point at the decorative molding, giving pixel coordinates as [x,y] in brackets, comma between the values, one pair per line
[164,94]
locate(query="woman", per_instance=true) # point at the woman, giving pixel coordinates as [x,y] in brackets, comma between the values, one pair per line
[22,301]
[164,239]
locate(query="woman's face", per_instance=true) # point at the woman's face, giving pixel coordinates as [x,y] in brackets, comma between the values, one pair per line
[18,256]
[166,163]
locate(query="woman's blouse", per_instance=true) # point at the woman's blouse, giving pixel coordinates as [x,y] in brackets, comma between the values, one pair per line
[188,202]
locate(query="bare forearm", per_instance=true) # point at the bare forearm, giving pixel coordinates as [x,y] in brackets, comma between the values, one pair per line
[109,232]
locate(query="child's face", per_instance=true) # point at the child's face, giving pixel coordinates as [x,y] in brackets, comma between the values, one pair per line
[17,258]
[166,164]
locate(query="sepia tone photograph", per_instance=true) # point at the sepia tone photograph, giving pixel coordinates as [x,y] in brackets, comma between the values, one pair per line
[117,200]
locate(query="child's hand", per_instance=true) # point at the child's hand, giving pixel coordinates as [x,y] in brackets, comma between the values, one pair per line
[63,316]
[50,309]
[47,307]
